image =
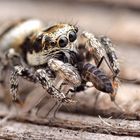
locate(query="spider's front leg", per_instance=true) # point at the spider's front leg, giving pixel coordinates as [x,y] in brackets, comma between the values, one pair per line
[100,49]
[47,84]
[39,76]
[92,47]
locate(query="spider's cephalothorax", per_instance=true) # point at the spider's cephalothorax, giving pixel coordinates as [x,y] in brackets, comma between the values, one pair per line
[44,55]
[47,42]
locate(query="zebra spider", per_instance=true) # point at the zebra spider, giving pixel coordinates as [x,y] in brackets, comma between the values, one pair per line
[41,55]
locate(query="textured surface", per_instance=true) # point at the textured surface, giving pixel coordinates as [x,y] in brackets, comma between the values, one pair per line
[16,130]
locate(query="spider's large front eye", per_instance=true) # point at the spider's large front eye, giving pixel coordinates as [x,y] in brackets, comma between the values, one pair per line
[63,41]
[72,36]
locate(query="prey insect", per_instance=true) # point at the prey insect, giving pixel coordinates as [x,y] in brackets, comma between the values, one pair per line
[43,55]
[99,49]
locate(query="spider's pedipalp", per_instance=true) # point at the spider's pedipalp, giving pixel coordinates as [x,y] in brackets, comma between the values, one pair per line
[66,71]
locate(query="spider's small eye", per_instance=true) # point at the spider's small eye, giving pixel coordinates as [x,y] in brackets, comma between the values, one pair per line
[63,41]
[72,36]
[53,43]
[47,39]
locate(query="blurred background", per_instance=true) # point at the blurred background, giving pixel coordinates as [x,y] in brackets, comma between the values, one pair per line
[117,19]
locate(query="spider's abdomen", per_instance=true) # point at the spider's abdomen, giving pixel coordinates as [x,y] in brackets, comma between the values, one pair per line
[15,34]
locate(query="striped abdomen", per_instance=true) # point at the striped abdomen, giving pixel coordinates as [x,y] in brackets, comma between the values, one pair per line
[14,35]
[97,77]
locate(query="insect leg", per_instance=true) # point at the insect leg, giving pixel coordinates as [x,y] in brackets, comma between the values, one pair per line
[111,54]
[52,108]
[64,87]
[46,109]
[66,90]
[100,62]
[115,79]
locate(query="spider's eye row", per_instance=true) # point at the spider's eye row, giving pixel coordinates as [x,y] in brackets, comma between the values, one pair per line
[63,41]
[72,36]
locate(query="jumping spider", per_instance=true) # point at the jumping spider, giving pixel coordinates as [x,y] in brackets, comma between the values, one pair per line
[41,55]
